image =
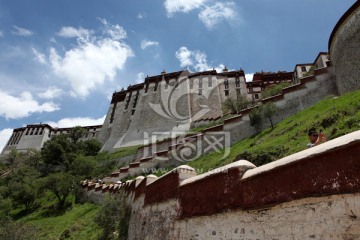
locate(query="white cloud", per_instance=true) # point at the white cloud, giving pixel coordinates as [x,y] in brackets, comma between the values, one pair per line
[141,15]
[39,56]
[115,32]
[93,60]
[5,135]
[21,31]
[145,44]
[140,77]
[71,32]
[184,55]
[173,6]
[213,15]
[51,92]
[249,77]
[195,59]
[79,121]
[23,105]
[1,34]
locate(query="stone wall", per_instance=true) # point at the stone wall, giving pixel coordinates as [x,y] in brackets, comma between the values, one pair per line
[313,194]
[345,51]
[176,151]
[167,104]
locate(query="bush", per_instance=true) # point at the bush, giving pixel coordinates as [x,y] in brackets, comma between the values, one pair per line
[114,217]
[273,90]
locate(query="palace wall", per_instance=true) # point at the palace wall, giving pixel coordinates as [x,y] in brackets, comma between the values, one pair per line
[313,194]
[166,104]
[345,51]
[179,150]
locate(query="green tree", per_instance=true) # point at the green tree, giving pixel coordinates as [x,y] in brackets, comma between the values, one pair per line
[76,133]
[33,158]
[12,158]
[256,118]
[83,167]
[11,230]
[232,105]
[5,202]
[25,185]
[61,185]
[268,111]
[274,89]
[90,147]
[59,151]
[114,217]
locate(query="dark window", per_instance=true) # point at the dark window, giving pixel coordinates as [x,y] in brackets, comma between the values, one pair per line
[200,91]
[136,99]
[156,86]
[256,96]
[226,92]
[237,82]
[226,83]
[113,112]
[303,69]
[132,112]
[128,101]
[146,88]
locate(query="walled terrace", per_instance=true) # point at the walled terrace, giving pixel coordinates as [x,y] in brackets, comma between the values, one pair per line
[173,152]
[313,194]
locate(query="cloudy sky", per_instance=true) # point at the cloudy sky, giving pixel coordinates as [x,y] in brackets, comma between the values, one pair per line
[60,61]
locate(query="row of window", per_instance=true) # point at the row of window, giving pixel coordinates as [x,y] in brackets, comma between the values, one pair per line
[15,138]
[34,131]
[226,83]
[238,92]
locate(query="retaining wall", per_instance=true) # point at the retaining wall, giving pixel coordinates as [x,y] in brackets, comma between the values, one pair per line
[344,50]
[313,194]
[177,151]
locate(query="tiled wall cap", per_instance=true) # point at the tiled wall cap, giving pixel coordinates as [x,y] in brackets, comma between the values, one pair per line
[151,176]
[242,165]
[184,169]
[138,180]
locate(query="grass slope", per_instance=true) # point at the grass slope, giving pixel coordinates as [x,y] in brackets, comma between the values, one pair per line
[75,222]
[337,116]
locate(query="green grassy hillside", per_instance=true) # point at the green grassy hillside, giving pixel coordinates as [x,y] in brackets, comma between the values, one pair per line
[337,116]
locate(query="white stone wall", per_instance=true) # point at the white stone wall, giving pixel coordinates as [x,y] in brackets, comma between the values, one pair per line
[153,222]
[345,51]
[334,217]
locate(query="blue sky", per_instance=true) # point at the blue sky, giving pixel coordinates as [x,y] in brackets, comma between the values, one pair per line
[60,61]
